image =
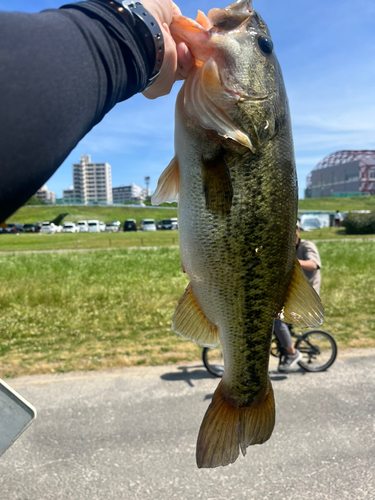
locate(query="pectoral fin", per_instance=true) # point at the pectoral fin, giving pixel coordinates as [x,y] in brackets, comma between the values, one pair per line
[168,184]
[303,307]
[217,185]
[190,322]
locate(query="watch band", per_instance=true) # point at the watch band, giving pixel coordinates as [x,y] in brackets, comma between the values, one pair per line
[146,30]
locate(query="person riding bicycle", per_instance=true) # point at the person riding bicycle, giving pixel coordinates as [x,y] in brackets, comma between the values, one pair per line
[309,258]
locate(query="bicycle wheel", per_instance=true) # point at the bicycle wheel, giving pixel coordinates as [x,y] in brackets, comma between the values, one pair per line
[275,351]
[319,350]
[213,360]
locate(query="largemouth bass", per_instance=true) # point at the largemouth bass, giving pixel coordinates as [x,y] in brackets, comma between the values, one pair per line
[234,173]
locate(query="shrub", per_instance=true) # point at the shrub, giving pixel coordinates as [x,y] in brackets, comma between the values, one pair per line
[360,223]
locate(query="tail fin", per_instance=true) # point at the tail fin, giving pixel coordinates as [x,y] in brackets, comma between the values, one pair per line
[227,428]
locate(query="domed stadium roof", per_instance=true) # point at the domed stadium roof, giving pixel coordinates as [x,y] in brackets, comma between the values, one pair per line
[347,156]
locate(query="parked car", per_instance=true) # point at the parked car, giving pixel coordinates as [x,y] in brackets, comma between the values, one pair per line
[11,228]
[148,225]
[102,226]
[69,227]
[113,227]
[30,228]
[48,228]
[167,224]
[94,226]
[310,223]
[82,226]
[130,225]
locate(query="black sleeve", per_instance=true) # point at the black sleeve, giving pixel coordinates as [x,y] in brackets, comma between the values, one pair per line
[61,71]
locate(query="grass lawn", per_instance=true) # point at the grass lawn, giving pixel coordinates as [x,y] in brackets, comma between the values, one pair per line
[66,241]
[63,241]
[98,310]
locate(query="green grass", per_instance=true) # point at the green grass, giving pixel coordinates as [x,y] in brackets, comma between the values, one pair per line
[64,241]
[98,310]
[348,291]
[332,233]
[342,204]
[31,214]
[62,312]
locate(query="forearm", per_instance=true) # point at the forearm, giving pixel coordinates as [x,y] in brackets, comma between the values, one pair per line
[61,72]
[308,265]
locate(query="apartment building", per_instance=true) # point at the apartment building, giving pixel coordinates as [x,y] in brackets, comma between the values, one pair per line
[130,193]
[45,195]
[92,182]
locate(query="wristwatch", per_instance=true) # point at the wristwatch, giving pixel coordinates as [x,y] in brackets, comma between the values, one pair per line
[146,30]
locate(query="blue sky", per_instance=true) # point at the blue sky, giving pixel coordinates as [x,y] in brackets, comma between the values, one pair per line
[326,50]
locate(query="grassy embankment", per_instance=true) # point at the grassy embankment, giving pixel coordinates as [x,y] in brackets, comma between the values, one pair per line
[98,310]
[124,240]
[31,214]
[342,204]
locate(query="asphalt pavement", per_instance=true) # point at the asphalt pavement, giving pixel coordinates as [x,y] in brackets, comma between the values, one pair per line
[131,433]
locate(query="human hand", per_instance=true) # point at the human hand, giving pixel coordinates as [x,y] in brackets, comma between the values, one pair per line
[178,60]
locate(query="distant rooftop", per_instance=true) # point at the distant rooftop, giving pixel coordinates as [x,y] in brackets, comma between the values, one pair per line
[367,156]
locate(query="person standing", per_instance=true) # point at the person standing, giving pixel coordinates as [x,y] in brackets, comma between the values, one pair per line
[338,218]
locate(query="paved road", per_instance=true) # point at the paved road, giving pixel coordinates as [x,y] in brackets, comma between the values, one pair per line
[130,434]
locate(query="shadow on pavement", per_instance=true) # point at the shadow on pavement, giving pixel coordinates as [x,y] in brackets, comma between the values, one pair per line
[197,372]
[188,374]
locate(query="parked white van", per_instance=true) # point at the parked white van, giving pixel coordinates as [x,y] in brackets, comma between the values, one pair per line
[82,226]
[148,225]
[94,226]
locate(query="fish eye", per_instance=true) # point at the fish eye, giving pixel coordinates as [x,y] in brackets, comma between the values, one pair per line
[265,43]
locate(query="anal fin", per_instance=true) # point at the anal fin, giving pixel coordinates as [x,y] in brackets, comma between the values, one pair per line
[168,184]
[303,307]
[190,322]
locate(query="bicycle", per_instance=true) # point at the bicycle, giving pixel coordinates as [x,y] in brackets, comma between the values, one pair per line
[318,349]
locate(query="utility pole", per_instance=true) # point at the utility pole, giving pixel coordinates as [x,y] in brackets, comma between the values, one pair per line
[147,181]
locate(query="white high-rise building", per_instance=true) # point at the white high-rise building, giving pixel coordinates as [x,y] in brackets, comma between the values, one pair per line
[92,181]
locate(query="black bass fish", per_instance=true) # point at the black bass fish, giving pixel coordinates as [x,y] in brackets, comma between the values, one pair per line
[235,177]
